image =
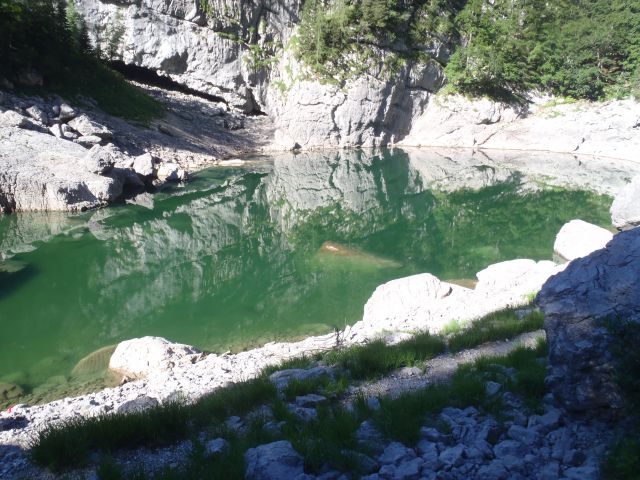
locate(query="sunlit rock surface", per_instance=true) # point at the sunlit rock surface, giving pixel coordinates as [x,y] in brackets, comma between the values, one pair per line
[578,239]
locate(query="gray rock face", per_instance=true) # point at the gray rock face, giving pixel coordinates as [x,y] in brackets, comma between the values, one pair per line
[273,461]
[455,121]
[41,172]
[625,210]
[601,286]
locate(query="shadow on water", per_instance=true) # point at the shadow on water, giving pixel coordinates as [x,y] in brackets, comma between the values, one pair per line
[11,281]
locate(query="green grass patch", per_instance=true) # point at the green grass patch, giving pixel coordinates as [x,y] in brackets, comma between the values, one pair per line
[376,358]
[623,461]
[323,384]
[402,417]
[623,458]
[501,325]
[69,444]
[296,362]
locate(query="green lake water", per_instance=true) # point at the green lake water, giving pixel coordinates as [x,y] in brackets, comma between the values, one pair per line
[236,258]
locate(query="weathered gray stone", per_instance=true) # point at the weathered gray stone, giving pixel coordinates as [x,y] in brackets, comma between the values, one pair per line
[215,446]
[581,473]
[38,115]
[68,132]
[625,209]
[311,400]
[138,404]
[281,378]
[273,461]
[452,457]
[88,141]
[144,165]
[14,119]
[492,388]
[171,172]
[455,121]
[493,471]
[576,303]
[409,470]
[523,435]
[41,172]
[578,239]
[87,127]
[396,453]
[66,113]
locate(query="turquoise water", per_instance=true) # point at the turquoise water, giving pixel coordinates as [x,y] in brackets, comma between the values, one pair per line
[281,248]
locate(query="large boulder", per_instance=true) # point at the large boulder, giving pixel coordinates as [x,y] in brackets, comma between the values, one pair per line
[140,357]
[625,210]
[578,238]
[423,302]
[577,303]
[273,461]
[41,172]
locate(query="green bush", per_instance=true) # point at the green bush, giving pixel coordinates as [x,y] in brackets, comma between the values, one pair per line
[504,49]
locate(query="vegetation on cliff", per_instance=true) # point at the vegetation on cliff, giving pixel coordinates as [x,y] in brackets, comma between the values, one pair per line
[577,48]
[45,47]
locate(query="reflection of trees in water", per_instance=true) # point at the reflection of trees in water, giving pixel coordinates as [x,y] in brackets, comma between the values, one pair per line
[224,261]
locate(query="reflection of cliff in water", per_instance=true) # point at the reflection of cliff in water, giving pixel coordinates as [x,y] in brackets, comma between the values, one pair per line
[249,239]
[236,255]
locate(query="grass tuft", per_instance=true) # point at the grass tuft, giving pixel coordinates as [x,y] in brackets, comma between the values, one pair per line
[501,325]
[401,417]
[375,359]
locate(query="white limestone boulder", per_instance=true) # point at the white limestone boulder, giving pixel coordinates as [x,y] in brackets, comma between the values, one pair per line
[143,165]
[625,210]
[578,238]
[88,128]
[424,303]
[171,172]
[404,296]
[140,357]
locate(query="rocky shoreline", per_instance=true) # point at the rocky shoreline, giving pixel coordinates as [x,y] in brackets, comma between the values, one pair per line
[160,372]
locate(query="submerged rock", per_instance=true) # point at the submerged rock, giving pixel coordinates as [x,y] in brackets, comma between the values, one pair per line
[578,238]
[577,303]
[94,363]
[10,391]
[352,254]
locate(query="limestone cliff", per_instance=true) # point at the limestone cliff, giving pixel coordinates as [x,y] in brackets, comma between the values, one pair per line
[241,51]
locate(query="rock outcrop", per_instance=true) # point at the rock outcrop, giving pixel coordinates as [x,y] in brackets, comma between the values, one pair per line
[607,129]
[41,172]
[625,210]
[215,53]
[54,157]
[578,238]
[577,303]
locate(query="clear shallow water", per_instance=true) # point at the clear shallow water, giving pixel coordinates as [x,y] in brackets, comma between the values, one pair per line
[285,247]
